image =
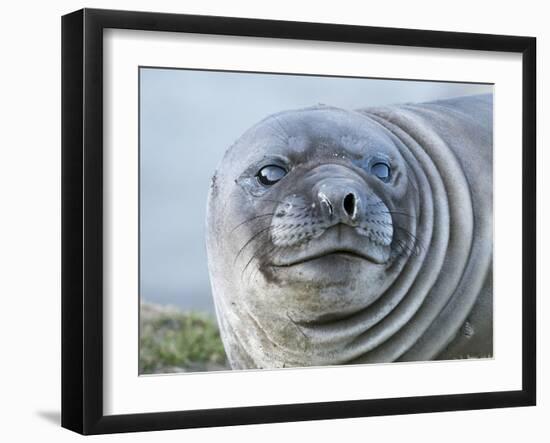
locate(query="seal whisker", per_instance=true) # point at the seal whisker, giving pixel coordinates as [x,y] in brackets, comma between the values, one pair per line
[273,229]
[251,219]
[403,248]
[409,233]
[253,274]
[414,246]
[261,231]
[255,255]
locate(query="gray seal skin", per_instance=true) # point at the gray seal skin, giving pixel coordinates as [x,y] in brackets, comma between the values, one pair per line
[346,237]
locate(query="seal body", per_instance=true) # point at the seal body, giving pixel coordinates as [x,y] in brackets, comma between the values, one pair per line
[341,237]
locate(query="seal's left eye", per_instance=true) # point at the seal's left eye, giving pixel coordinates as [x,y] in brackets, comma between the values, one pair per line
[381,170]
[271,174]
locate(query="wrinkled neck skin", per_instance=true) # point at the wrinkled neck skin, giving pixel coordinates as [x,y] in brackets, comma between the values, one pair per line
[332,265]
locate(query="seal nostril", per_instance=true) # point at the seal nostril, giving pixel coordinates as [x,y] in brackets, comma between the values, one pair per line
[325,203]
[349,204]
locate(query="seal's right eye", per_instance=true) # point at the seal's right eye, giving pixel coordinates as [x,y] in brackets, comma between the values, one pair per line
[270,174]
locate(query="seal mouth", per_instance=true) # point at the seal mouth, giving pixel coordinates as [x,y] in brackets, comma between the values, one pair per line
[336,253]
[339,242]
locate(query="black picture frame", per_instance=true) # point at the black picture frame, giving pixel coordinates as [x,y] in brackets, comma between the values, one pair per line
[82,218]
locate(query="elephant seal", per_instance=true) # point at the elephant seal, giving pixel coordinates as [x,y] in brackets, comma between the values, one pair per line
[345,237]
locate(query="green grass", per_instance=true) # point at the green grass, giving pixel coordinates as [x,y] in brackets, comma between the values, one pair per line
[176,341]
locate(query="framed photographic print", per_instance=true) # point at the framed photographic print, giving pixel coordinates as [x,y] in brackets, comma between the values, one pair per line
[269,221]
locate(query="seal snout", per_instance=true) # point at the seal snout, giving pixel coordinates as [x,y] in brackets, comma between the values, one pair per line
[339,213]
[350,201]
[340,201]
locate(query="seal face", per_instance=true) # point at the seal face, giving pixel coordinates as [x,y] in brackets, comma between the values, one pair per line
[322,243]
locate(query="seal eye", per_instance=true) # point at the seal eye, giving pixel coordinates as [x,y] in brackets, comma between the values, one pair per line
[381,170]
[270,174]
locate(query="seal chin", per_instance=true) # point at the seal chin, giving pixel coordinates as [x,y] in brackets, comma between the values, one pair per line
[341,242]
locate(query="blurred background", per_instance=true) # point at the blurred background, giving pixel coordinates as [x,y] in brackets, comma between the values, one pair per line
[187,120]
